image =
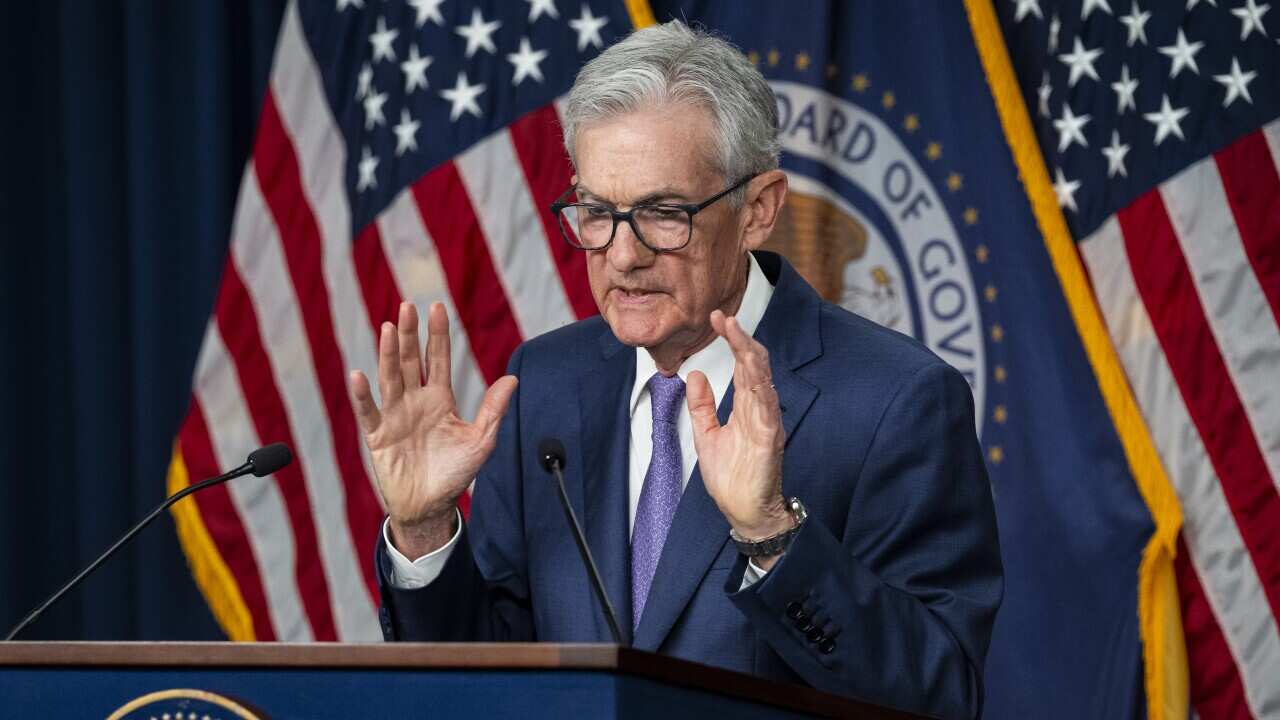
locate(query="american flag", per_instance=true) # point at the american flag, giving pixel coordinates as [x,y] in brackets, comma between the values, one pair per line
[405,151]
[1157,121]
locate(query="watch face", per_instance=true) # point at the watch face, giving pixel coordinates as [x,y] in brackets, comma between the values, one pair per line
[778,543]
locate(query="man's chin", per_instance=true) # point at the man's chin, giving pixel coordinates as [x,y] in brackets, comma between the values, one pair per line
[634,330]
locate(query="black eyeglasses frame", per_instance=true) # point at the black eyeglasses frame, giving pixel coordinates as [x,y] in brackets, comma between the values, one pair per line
[690,209]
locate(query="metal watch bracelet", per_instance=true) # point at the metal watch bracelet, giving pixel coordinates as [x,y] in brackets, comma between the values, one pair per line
[774,544]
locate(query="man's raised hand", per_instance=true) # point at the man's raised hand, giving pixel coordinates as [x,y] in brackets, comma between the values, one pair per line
[741,461]
[424,455]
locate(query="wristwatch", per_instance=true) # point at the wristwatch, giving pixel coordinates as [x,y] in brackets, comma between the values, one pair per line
[774,544]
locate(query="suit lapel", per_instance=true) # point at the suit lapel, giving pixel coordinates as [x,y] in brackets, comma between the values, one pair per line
[699,531]
[600,490]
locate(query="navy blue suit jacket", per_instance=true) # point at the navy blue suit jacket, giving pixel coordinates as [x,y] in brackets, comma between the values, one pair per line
[888,593]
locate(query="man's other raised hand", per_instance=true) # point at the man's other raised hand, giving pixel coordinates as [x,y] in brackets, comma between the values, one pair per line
[424,454]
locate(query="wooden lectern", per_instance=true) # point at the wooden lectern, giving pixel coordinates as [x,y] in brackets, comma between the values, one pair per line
[525,681]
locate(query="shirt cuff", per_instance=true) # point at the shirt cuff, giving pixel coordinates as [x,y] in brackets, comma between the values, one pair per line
[752,575]
[409,574]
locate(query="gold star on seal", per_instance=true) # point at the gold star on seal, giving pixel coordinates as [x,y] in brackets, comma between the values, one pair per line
[990,293]
[997,333]
[802,62]
[861,82]
[888,100]
[955,181]
[753,57]
[933,151]
[995,454]
[1000,374]
[911,123]
[981,253]
[773,58]
[970,216]
[1000,414]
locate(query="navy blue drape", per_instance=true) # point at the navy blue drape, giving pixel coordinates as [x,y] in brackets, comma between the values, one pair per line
[124,132]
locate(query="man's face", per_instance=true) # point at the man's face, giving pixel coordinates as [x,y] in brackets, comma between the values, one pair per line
[660,155]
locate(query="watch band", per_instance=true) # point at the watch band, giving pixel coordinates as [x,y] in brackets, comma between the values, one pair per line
[774,544]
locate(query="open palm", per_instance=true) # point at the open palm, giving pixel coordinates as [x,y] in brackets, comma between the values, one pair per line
[424,454]
[741,461]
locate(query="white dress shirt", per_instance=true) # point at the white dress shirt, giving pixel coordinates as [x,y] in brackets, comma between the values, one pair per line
[715,361]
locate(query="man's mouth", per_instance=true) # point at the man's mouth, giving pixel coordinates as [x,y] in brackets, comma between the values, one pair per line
[634,296]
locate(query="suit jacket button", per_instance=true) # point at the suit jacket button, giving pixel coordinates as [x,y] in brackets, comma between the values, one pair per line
[795,610]
[815,635]
[827,646]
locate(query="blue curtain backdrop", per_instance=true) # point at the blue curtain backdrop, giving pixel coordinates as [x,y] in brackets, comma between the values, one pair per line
[124,132]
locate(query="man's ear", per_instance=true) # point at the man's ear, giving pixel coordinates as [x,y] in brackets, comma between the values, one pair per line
[764,198]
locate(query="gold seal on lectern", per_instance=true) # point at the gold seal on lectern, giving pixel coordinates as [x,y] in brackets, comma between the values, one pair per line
[184,704]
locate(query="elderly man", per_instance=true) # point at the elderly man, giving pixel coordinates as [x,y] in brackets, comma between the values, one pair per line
[830,523]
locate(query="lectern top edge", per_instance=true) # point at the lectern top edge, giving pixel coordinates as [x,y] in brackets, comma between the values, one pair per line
[316,655]
[439,656]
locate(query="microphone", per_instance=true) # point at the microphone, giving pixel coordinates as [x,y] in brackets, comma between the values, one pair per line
[265,460]
[551,457]
[261,462]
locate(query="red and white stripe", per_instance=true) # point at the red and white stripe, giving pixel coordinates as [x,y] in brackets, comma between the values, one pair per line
[1188,279]
[417,273]
[300,304]
[259,502]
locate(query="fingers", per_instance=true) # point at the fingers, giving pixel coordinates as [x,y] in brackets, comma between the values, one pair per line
[410,347]
[438,347]
[755,399]
[494,405]
[390,378]
[366,409]
[717,322]
[751,359]
[702,405]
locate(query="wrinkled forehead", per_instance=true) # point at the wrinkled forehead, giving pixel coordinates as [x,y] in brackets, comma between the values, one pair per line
[658,152]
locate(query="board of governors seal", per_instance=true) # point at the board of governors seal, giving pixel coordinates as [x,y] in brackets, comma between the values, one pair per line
[183,704]
[865,225]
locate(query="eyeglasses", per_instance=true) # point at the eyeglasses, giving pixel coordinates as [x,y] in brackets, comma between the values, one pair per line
[661,227]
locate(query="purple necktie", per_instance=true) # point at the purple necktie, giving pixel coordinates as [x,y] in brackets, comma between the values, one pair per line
[661,493]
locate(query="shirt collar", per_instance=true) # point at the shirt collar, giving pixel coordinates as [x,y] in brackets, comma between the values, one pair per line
[715,360]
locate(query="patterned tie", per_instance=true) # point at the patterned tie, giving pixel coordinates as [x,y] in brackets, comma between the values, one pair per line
[661,493]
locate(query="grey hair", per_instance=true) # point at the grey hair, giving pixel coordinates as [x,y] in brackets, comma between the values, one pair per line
[673,63]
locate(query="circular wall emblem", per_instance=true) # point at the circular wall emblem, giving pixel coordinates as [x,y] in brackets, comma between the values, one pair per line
[865,225]
[183,704]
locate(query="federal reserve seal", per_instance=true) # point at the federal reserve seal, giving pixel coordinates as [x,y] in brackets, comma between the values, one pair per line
[865,225]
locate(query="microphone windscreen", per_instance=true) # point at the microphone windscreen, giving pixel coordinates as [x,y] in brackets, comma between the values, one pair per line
[550,451]
[266,460]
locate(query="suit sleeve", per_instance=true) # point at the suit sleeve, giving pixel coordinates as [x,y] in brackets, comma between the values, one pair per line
[482,593]
[898,608]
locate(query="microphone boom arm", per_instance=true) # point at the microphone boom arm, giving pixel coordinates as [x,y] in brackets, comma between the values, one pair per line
[580,540]
[263,461]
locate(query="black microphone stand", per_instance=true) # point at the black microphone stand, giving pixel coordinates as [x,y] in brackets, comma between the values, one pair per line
[270,459]
[551,455]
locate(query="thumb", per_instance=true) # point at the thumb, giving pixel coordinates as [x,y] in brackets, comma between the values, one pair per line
[494,405]
[366,409]
[702,406]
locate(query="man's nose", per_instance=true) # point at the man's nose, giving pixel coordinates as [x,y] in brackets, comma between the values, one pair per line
[627,252]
